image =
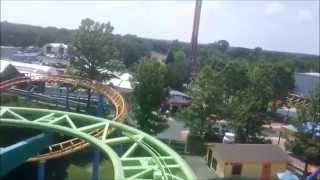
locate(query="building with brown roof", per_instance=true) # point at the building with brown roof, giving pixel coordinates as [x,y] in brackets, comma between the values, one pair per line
[251,161]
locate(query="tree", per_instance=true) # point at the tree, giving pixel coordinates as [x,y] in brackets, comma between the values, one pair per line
[243,114]
[94,52]
[244,104]
[178,71]
[170,57]
[223,45]
[149,91]
[175,46]
[257,51]
[211,55]
[307,141]
[132,48]
[261,88]
[272,81]
[235,76]
[237,91]
[206,92]
[283,79]
[249,91]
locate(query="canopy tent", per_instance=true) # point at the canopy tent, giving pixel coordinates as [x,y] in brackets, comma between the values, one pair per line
[307,127]
[30,69]
[287,175]
[122,81]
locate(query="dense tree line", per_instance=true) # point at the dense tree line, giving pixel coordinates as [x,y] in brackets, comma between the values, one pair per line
[27,35]
[132,48]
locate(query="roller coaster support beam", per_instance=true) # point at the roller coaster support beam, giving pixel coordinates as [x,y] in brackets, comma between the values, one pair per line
[144,157]
[67,99]
[96,164]
[41,170]
[16,154]
[101,107]
[97,154]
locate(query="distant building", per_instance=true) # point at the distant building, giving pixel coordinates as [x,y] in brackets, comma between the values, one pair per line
[30,69]
[58,50]
[306,82]
[177,98]
[7,52]
[29,54]
[250,161]
[27,57]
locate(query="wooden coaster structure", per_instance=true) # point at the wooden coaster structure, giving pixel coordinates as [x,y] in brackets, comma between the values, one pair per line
[75,144]
[292,101]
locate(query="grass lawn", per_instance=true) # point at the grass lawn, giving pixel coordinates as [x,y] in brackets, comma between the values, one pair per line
[76,172]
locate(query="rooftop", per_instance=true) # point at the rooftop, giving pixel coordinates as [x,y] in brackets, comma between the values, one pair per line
[249,152]
[56,45]
[177,93]
[27,67]
[315,74]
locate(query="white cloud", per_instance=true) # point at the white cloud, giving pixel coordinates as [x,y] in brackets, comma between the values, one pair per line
[305,15]
[274,7]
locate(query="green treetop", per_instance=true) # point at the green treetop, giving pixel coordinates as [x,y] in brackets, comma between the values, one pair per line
[94,53]
[149,91]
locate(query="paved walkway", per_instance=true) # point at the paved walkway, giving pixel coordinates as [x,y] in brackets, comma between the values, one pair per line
[199,167]
[175,130]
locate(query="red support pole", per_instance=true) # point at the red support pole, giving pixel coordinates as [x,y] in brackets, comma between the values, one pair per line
[194,39]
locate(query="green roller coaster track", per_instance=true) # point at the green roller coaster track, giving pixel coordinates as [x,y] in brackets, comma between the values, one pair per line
[143,156]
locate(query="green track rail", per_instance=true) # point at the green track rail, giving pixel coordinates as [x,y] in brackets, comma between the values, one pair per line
[143,156]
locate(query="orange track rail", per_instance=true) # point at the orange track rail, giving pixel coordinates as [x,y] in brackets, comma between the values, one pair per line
[67,147]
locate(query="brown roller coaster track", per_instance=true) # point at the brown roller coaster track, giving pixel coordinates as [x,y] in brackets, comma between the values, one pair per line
[75,144]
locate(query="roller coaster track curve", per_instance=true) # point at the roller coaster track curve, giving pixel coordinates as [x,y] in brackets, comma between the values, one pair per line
[72,145]
[141,156]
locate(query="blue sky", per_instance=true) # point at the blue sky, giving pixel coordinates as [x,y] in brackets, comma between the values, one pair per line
[291,26]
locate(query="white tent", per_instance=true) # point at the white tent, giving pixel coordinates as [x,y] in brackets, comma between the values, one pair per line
[122,81]
[27,68]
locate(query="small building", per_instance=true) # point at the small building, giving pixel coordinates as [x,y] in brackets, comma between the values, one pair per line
[250,161]
[306,83]
[177,98]
[7,52]
[58,50]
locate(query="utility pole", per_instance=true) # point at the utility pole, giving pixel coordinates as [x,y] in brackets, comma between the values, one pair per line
[194,39]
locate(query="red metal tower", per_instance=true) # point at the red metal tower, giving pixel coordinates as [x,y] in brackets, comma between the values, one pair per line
[194,39]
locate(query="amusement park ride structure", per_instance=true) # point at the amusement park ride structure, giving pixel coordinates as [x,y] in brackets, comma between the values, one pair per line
[142,156]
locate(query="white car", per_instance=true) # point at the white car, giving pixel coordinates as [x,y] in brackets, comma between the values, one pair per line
[228,138]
